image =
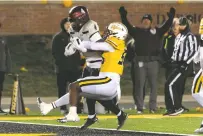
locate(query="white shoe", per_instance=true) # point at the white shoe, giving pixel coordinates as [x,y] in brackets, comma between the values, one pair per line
[143,107]
[199,130]
[45,108]
[135,107]
[139,112]
[70,118]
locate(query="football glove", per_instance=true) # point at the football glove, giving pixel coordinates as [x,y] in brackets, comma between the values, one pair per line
[171,13]
[69,49]
[123,12]
[76,42]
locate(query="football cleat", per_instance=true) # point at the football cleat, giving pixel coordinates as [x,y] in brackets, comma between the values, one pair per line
[199,130]
[45,108]
[89,122]
[69,118]
[121,120]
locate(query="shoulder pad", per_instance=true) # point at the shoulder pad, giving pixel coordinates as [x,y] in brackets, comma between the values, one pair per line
[90,27]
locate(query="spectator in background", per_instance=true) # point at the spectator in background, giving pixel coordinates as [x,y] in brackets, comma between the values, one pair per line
[190,20]
[148,44]
[168,46]
[130,56]
[67,68]
[5,65]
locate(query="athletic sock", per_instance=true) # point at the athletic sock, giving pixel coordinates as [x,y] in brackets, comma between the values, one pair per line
[64,100]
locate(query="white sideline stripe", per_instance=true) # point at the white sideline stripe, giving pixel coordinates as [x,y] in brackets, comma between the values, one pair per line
[99,128]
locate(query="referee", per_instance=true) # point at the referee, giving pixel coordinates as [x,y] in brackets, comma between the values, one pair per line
[184,49]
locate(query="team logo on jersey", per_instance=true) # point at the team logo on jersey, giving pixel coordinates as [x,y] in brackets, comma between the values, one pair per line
[153,31]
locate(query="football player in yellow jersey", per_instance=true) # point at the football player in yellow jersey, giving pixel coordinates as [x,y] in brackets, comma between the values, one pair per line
[197,87]
[102,88]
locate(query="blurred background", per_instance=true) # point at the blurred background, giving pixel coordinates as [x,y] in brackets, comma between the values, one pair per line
[30,26]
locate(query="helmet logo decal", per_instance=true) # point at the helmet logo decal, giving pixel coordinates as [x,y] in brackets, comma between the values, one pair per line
[82,11]
[114,27]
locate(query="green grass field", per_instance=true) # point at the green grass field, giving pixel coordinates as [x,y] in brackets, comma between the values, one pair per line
[182,124]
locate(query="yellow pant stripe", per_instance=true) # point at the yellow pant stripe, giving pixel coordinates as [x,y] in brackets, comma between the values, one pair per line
[94,81]
[198,84]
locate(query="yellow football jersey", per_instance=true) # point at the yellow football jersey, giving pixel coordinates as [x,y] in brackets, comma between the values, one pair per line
[113,61]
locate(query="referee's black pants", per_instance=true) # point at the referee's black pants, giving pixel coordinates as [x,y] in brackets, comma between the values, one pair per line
[188,73]
[173,88]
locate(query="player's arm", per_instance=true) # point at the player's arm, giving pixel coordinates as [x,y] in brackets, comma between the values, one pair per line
[201,42]
[96,46]
[123,14]
[165,27]
[201,57]
[201,51]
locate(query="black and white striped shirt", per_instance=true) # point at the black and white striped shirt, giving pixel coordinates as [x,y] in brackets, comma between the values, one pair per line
[185,47]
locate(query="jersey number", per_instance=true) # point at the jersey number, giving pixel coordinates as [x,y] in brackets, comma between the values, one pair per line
[122,58]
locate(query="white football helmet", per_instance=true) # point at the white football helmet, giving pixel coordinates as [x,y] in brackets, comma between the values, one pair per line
[118,30]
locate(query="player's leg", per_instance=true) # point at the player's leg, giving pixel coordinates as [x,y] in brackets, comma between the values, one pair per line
[2,76]
[72,77]
[45,108]
[62,84]
[196,88]
[197,93]
[110,105]
[90,102]
[101,91]
[90,87]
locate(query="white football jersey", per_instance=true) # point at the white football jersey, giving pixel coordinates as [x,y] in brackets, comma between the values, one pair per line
[90,32]
[201,57]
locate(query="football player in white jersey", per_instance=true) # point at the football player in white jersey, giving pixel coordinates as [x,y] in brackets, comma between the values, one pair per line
[197,87]
[87,30]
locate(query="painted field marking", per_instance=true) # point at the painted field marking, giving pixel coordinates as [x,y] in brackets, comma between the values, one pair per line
[56,125]
[155,116]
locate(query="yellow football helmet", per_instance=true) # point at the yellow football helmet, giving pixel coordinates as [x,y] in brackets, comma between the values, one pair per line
[116,29]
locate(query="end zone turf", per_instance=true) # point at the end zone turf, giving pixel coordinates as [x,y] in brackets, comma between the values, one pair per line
[61,130]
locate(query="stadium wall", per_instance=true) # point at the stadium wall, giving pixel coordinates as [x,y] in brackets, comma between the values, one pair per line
[23,19]
[29,30]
